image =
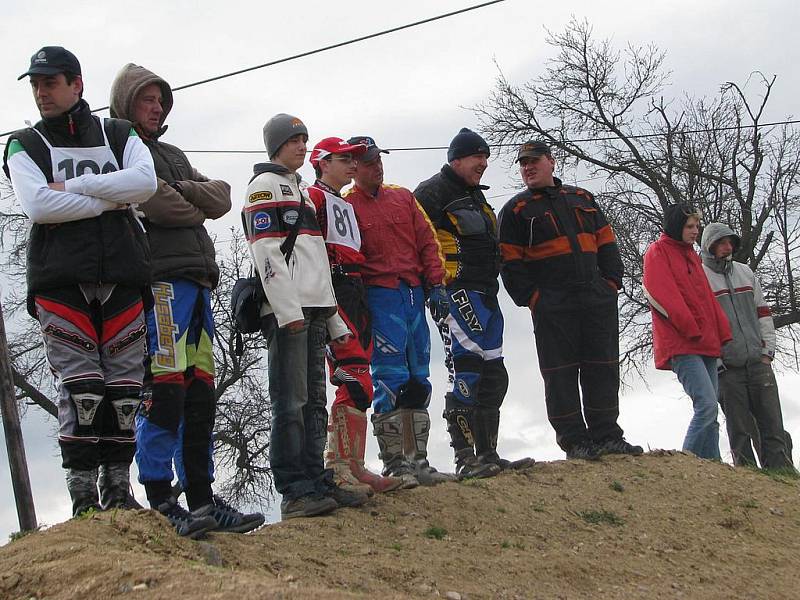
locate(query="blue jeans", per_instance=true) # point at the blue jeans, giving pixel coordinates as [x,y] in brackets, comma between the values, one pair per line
[401,348]
[698,375]
[297,394]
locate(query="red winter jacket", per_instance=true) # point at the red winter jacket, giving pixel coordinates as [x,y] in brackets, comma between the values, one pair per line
[687,319]
[397,239]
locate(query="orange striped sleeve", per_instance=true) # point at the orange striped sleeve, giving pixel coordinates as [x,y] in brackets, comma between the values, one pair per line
[588,242]
[511,251]
[605,235]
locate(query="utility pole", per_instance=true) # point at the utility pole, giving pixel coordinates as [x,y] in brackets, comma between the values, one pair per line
[16,449]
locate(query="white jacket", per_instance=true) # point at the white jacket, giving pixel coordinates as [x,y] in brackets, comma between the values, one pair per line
[272,204]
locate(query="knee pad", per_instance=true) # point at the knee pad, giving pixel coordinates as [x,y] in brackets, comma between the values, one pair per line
[162,405]
[356,379]
[494,384]
[200,403]
[86,407]
[467,378]
[124,401]
[414,394]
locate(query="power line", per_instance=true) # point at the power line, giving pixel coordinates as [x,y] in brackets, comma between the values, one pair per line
[318,50]
[510,145]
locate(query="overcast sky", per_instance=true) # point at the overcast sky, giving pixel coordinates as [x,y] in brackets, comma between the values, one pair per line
[411,88]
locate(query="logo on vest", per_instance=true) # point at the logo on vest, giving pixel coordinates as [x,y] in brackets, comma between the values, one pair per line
[261,221]
[260,196]
[290,216]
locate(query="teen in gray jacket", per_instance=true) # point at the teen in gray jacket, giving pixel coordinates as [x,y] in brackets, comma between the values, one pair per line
[747,386]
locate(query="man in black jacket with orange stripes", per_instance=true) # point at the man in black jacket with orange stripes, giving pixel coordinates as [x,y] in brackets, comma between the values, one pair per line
[560,259]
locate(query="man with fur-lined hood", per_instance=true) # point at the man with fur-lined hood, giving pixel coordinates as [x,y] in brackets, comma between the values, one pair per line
[747,387]
[177,419]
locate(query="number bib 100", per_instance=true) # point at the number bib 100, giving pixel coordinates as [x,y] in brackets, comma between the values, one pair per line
[74,162]
[342,225]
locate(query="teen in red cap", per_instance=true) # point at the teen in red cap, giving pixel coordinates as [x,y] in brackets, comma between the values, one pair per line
[333,160]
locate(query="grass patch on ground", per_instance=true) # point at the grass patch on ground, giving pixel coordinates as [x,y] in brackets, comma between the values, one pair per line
[435,533]
[601,517]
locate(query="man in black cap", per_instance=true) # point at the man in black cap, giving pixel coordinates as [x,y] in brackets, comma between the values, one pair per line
[560,259]
[466,311]
[78,178]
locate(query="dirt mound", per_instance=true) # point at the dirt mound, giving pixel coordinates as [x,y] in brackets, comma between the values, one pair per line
[664,525]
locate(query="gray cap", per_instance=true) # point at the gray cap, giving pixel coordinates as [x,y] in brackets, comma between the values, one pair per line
[533,149]
[279,129]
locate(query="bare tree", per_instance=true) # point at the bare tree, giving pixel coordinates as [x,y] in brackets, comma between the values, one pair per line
[604,113]
[241,442]
[242,430]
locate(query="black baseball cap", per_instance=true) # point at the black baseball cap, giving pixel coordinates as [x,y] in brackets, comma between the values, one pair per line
[52,60]
[532,149]
[372,148]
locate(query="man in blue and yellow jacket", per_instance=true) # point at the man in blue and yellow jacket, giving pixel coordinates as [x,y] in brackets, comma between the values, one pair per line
[466,310]
[560,259]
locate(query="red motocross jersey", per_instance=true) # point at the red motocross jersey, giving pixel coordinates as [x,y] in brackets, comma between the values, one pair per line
[339,225]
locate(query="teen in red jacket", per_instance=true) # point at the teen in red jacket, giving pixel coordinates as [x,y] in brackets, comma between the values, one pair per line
[689,327]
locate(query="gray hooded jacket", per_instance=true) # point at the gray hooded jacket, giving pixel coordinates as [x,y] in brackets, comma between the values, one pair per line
[184,199]
[739,294]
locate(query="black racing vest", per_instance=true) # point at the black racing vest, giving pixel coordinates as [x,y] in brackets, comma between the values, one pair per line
[109,248]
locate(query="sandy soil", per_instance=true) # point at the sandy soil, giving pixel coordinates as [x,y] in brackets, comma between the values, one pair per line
[664,525]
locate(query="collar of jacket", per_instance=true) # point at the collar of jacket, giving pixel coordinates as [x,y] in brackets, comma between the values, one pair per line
[150,137]
[325,187]
[547,190]
[718,265]
[271,167]
[449,173]
[366,194]
[679,245]
[80,115]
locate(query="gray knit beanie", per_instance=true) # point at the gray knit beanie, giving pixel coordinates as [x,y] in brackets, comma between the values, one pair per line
[279,129]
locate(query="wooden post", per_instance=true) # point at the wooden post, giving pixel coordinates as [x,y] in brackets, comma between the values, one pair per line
[13,432]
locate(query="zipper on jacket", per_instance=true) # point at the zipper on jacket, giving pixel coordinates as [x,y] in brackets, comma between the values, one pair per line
[102,250]
[732,294]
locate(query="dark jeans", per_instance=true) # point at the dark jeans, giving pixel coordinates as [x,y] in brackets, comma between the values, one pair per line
[297,393]
[748,393]
[577,339]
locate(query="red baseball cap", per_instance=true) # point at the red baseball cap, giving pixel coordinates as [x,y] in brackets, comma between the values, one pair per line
[334,145]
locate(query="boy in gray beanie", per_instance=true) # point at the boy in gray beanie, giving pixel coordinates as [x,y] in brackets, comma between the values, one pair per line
[299,315]
[279,129]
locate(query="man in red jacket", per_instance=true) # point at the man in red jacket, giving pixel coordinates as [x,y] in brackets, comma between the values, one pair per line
[403,261]
[689,326]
